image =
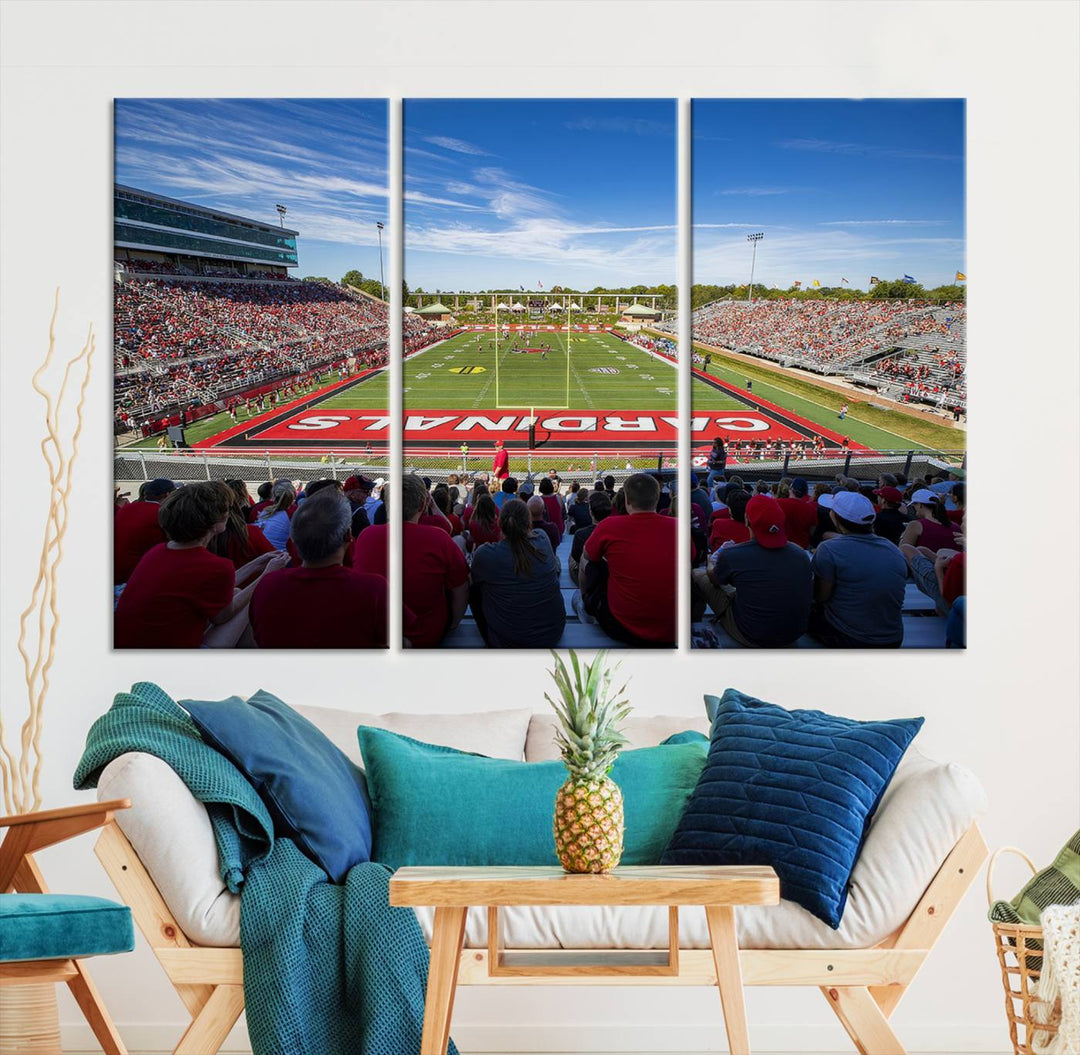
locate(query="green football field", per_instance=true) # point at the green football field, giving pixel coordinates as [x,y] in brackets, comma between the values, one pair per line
[594,371]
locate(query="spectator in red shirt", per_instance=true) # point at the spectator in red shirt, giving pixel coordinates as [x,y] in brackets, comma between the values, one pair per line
[733,528]
[931,527]
[628,569]
[182,596]
[441,498]
[240,542]
[500,466]
[800,514]
[136,528]
[322,603]
[554,506]
[435,575]
[482,521]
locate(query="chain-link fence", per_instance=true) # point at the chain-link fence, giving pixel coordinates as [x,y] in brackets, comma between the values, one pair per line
[189,466]
[584,466]
[858,465]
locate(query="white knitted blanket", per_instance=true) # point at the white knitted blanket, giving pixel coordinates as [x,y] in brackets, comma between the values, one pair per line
[1060,979]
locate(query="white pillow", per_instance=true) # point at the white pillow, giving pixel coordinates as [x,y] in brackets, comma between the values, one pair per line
[641,731]
[497,734]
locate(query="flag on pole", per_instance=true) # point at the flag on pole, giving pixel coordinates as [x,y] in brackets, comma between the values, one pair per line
[845,281]
[961,277]
[874,280]
[540,284]
[797,283]
[817,285]
[908,279]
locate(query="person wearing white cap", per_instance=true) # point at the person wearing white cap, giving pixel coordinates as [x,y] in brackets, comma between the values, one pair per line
[859,581]
[930,527]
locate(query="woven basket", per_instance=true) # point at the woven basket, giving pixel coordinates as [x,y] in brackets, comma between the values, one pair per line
[1020,955]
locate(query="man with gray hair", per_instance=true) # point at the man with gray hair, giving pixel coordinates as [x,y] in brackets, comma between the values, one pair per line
[321,603]
[539,512]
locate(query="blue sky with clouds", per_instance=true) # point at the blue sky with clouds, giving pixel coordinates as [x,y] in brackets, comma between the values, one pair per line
[324,159]
[841,189]
[515,192]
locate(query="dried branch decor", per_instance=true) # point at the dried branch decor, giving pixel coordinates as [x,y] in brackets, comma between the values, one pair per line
[21,773]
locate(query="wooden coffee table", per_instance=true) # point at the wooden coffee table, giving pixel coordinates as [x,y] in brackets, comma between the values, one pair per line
[453,891]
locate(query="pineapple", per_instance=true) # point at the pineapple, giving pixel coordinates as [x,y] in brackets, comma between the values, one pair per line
[589,807]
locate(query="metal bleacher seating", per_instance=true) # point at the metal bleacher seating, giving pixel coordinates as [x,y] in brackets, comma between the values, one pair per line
[576,635]
[923,627]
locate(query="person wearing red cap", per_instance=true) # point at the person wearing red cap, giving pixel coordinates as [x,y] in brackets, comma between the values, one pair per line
[500,467]
[759,589]
[891,519]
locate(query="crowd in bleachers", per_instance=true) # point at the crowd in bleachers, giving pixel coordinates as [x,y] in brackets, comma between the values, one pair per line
[487,548]
[932,375]
[828,336]
[774,562]
[179,342]
[208,565]
[652,343]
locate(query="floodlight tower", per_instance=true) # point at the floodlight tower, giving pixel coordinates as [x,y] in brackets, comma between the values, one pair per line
[382,283]
[753,239]
[281,211]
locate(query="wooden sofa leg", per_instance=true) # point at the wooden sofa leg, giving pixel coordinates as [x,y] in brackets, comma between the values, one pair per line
[211,1025]
[864,1021]
[94,1011]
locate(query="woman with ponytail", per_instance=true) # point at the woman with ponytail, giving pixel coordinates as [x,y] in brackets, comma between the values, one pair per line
[515,595]
[931,528]
[483,525]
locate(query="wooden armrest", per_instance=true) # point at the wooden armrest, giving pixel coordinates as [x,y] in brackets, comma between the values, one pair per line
[29,832]
[65,812]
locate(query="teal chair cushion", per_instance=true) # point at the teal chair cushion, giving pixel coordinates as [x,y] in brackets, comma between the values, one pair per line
[59,926]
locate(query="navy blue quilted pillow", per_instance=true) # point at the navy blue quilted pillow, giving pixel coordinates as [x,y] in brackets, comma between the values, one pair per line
[791,789]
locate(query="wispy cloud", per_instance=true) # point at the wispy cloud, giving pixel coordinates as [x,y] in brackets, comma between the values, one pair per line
[326,160]
[788,254]
[623,125]
[882,223]
[759,192]
[829,146]
[458,146]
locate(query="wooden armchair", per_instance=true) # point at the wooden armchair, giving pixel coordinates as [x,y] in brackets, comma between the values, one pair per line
[45,937]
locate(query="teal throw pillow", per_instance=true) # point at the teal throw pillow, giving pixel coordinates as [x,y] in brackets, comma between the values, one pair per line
[437,806]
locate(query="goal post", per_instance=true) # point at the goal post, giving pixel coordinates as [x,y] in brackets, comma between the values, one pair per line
[519,389]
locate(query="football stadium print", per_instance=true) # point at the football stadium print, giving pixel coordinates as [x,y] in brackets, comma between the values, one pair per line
[541,415]
[829,293]
[539,493]
[249,289]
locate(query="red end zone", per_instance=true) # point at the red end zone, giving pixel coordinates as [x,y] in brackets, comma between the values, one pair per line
[612,426]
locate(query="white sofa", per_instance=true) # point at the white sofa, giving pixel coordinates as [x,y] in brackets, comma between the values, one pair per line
[926,810]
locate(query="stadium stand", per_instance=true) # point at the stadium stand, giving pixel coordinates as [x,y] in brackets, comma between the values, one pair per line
[873,343]
[280,574]
[897,589]
[562,618]
[183,341]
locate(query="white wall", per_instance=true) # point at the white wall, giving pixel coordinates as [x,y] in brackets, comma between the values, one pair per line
[1007,708]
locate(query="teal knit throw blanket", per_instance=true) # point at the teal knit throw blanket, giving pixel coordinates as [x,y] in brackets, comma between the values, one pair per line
[328,969]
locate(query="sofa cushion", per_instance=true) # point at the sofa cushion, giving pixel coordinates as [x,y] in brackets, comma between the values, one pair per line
[925,810]
[792,789]
[497,734]
[315,795]
[433,805]
[170,830]
[57,926]
[639,730]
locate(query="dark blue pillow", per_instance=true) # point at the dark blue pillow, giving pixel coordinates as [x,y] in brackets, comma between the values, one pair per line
[791,789]
[316,796]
